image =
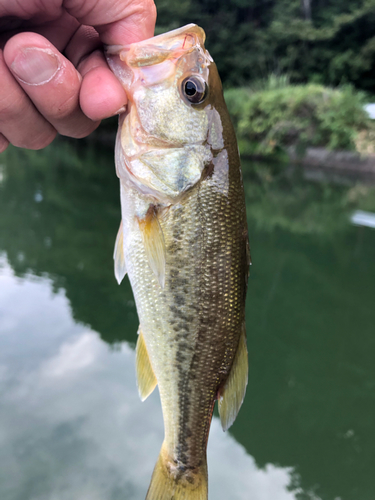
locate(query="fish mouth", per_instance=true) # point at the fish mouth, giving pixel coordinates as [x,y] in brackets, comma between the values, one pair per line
[157,59]
[171,36]
[159,48]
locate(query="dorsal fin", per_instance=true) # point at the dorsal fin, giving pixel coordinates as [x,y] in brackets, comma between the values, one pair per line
[233,392]
[153,240]
[118,256]
[146,379]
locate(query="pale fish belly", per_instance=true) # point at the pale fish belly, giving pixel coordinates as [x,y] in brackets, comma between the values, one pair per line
[192,326]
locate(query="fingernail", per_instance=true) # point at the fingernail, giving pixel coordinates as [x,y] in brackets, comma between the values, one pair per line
[35,66]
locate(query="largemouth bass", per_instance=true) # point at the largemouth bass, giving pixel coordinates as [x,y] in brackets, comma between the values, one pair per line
[183,241]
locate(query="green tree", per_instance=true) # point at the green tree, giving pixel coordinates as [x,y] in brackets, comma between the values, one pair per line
[326,41]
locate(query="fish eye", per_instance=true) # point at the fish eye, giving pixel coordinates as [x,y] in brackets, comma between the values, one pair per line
[194,88]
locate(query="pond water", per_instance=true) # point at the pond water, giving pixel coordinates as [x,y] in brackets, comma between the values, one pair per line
[71,423]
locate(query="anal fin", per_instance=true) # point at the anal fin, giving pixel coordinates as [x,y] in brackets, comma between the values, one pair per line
[233,392]
[146,379]
[118,256]
[153,240]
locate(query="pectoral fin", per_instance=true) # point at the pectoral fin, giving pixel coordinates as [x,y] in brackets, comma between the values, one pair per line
[146,379]
[153,240]
[118,256]
[233,392]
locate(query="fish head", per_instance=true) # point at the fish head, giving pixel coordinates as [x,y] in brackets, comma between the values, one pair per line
[170,127]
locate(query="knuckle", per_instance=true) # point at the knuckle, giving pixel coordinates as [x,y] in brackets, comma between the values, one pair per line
[152,9]
[43,140]
[148,11]
[4,143]
[62,98]
[12,106]
[37,141]
[65,108]
[80,131]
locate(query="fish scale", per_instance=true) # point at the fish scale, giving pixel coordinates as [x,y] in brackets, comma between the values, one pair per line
[207,313]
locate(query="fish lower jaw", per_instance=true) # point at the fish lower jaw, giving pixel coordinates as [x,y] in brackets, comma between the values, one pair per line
[141,149]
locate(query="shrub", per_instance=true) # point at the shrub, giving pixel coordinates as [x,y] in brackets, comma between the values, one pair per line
[278,116]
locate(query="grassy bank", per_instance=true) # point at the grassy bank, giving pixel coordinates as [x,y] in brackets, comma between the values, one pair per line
[274,115]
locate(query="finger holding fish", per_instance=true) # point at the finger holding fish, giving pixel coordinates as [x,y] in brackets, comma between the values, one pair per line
[54,74]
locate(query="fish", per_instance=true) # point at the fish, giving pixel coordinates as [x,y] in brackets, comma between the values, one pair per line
[183,241]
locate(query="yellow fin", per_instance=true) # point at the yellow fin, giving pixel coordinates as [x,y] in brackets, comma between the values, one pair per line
[233,392]
[146,379]
[169,482]
[118,256]
[153,240]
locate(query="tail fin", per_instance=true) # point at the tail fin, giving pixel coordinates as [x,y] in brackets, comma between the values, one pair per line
[171,482]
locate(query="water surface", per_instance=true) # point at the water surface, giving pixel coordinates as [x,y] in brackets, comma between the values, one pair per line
[71,423]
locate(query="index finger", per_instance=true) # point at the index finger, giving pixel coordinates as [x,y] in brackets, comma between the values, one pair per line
[118,22]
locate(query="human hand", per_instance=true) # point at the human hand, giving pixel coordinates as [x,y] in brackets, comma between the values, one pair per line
[53,74]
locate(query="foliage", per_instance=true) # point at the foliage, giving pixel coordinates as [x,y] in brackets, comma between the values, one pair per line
[251,38]
[297,115]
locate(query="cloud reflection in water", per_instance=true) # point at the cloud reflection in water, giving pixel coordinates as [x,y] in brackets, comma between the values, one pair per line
[71,423]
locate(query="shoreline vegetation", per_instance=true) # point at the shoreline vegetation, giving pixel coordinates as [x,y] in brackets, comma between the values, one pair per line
[277,120]
[292,69]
